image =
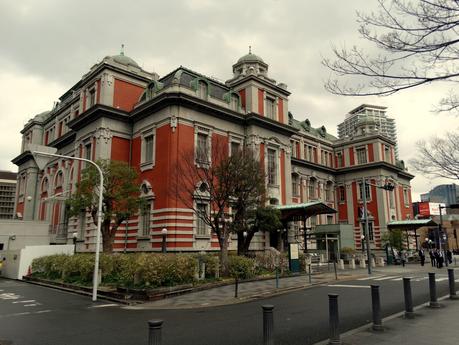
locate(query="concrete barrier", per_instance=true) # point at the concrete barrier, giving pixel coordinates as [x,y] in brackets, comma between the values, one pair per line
[362,262]
[380,262]
[341,264]
[373,263]
[352,264]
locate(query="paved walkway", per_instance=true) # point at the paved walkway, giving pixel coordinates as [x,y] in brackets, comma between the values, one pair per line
[429,327]
[258,289]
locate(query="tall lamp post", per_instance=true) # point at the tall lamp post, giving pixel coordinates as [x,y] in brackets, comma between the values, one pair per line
[163,245]
[38,151]
[386,186]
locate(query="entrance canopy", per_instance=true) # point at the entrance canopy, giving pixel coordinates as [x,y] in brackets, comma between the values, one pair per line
[410,224]
[301,211]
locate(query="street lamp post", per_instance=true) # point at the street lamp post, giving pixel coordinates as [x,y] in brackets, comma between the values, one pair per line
[365,215]
[41,164]
[74,237]
[163,246]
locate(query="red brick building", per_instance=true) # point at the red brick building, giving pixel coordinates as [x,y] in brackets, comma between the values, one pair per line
[119,111]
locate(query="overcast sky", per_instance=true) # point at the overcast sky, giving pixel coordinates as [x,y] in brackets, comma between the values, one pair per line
[47,45]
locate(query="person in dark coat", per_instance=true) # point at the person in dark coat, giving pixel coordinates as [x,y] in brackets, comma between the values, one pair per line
[449,256]
[432,258]
[422,256]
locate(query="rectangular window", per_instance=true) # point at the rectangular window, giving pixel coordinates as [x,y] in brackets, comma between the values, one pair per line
[370,231]
[234,102]
[339,159]
[235,147]
[201,214]
[272,167]
[386,153]
[202,150]
[295,185]
[342,194]
[313,221]
[361,155]
[87,151]
[312,189]
[391,199]
[328,192]
[293,149]
[329,219]
[270,108]
[148,153]
[367,190]
[406,196]
[92,98]
[146,217]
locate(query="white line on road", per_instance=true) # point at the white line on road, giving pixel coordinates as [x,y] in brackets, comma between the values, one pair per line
[440,279]
[397,279]
[386,278]
[28,301]
[31,305]
[368,278]
[42,311]
[104,305]
[350,286]
[421,279]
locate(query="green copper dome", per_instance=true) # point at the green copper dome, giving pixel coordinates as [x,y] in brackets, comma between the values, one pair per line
[250,58]
[124,60]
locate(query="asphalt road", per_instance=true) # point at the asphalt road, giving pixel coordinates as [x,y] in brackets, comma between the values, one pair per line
[34,315]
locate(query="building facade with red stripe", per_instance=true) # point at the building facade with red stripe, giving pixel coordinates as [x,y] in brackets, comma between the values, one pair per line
[119,111]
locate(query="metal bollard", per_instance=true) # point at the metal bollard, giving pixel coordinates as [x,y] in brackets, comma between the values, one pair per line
[154,332]
[433,291]
[334,268]
[333,319]
[236,287]
[277,277]
[310,274]
[452,284]
[268,324]
[376,304]
[409,314]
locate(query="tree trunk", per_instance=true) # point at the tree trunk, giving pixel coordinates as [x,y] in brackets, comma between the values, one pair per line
[224,269]
[108,236]
[243,244]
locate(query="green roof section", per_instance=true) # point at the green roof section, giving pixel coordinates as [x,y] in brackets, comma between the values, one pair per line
[298,211]
[410,224]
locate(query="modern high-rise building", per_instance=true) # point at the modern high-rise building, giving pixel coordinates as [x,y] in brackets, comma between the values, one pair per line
[445,193]
[371,114]
[7,194]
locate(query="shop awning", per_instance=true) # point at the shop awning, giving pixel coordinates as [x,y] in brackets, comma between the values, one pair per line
[410,224]
[300,211]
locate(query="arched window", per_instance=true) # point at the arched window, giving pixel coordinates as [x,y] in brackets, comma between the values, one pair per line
[59,179]
[44,185]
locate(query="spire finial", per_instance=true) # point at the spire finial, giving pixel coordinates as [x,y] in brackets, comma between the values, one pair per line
[250,49]
[122,49]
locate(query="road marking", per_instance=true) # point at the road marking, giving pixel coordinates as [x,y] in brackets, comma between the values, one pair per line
[7,295]
[386,278]
[28,301]
[104,305]
[42,311]
[397,279]
[368,278]
[440,279]
[350,286]
[420,279]
[31,305]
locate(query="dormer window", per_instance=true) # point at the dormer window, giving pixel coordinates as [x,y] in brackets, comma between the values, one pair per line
[202,89]
[361,155]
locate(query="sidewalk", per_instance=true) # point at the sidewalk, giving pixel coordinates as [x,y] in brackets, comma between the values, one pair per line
[429,327]
[259,289]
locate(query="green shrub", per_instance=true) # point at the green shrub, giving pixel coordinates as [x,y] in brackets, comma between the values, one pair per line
[242,267]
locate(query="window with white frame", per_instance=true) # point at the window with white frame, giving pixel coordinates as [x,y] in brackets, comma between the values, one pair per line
[367,191]
[406,198]
[146,217]
[272,167]
[293,149]
[329,191]
[312,188]
[361,155]
[386,153]
[235,146]
[202,148]
[234,102]
[370,230]
[201,215]
[339,159]
[59,179]
[329,219]
[295,185]
[148,146]
[270,110]
[202,89]
[88,151]
[92,98]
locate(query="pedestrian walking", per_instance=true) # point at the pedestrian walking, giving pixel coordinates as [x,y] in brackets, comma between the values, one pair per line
[432,258]
[403,256]
[422,256]
[449,256]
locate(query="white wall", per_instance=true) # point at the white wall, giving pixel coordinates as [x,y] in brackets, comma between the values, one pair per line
[17,262]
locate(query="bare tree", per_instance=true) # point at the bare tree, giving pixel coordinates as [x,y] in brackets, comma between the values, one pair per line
[417,43]
[439,157]
[202,182]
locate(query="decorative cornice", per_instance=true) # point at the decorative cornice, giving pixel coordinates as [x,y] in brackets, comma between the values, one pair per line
[96,112]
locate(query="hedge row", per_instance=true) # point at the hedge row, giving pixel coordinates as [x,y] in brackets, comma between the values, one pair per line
[140,269]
